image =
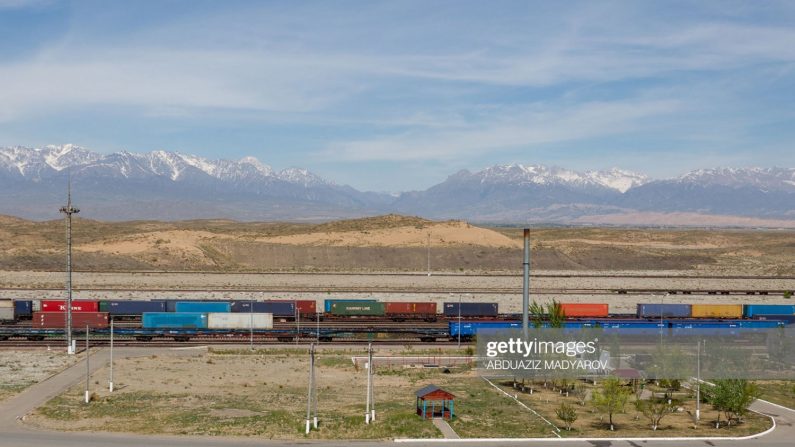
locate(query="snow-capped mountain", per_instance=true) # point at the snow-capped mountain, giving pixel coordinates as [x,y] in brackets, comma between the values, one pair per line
[178,185]
[172,185]
[518,174]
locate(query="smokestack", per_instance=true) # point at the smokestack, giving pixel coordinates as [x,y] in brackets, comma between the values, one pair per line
[526,284]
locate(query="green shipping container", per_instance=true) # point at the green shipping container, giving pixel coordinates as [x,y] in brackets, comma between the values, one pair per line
[354,308]
[103,306]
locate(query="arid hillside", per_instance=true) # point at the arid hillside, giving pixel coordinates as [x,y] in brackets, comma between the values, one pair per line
[384,243]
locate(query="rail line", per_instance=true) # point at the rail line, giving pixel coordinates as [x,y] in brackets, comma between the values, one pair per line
[420,274]
[416,290]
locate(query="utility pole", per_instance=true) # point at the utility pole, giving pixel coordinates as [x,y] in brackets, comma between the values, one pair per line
[429,254]
[525,285]
[459,320]
[68,210]
[88,367]
[698,383]
[311,400]
[369,414]
[110,377]
[251,326]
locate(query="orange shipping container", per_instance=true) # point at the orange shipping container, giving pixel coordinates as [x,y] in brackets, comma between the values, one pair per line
[577,310]
[717,310]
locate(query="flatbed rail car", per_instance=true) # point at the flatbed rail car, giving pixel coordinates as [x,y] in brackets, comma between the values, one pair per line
[282,335]
[469,329]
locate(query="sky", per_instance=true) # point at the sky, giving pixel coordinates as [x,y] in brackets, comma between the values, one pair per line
[397,95]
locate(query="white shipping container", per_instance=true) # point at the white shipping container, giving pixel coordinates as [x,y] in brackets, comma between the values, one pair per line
[218,320]
[6,303]
[6,313]
[36,306]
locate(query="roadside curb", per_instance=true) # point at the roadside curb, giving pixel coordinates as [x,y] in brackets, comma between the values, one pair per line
[686,438]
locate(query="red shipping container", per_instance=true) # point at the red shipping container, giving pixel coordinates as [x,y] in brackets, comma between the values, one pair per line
[57,320]
[77,306]
[576,310]
[410,308]
[306,306]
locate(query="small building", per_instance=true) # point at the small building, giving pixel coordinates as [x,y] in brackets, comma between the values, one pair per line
[434,402]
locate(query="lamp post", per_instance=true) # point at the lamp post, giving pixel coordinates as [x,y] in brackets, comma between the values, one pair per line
[110,377]
[251,326]
[698,382]
[88,367]
[68,210]
[459,320]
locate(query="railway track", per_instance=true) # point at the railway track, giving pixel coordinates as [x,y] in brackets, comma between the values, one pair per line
[442,274]
[203,341]
[417,290]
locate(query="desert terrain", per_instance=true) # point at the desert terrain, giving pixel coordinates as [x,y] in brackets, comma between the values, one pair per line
[389,243]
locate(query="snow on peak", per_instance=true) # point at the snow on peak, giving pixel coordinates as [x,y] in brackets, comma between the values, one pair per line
[616,179]
[258,165]
[301,177]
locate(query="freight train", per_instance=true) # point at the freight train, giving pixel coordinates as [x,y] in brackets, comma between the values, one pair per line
[341,309]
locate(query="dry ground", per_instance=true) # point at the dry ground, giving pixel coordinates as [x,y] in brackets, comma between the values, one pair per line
[232,392]
[263,393]
[386,243]
[20,369]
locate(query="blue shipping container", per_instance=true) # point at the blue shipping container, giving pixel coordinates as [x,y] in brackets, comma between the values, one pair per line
[202,306]
[786,319]
[168,320]
[23,309]
[127,307]
[752,310]
[471,310]
[666,310]
[277,308]
[327,303]
[471,328]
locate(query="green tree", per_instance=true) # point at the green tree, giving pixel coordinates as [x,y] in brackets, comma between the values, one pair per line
[580,393]
[656,409]
[567,414]
[732,397]
[537,314]
[611,398]
[556,314]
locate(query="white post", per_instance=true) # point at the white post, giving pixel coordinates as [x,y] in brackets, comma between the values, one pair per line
[88,366]
[110,378]
[698,383]
[369,369]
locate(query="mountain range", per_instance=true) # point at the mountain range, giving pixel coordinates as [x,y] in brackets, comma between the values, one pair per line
[170,185]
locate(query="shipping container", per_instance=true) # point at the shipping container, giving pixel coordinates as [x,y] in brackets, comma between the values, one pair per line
[786,319]
[23,309]
[279,308]
[403,308]
[171,305]
[202,306]
[57,320]
[752,310]
[129,307]
[4,303]
[171,320]
[239,320]
[328,303]
[306,306]
[349,308]
[633,327]
[77,306]
[472,328]
[717,310]
[6,314]
[663,310]
[580,310]
[471,310]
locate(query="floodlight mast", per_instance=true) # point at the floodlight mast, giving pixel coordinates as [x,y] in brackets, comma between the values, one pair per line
[69,210]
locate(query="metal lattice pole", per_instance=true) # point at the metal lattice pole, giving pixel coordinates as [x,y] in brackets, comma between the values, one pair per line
[310,398]
[526,284]
[69,210]
[110,377]
[88,366]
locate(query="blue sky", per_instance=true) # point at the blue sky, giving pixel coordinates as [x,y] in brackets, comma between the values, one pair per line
[397,95]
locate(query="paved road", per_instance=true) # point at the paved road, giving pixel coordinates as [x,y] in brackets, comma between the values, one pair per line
[13,433]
